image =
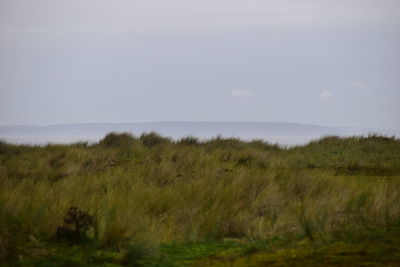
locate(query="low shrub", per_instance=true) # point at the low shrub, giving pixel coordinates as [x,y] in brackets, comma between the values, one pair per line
[75,226]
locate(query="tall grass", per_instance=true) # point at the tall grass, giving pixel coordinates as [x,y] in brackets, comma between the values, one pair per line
[151,189]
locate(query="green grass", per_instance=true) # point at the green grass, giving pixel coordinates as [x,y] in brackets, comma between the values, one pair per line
[222,202]
[379,250]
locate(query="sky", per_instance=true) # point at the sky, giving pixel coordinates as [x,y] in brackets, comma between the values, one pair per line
[325,62]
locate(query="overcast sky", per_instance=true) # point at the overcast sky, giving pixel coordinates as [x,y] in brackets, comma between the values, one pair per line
[327,62]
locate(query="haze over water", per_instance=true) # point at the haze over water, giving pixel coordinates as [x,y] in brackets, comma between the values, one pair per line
[285,134]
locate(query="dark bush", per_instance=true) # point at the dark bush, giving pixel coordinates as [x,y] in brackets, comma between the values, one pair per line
[75,226]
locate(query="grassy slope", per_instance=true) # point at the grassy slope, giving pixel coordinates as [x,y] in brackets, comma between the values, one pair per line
[223,202]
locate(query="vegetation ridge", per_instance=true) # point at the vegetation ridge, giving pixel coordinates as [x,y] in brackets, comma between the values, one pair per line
[152,201]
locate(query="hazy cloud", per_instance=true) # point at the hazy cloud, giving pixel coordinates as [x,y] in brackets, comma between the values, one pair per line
[325,94]
[241,93]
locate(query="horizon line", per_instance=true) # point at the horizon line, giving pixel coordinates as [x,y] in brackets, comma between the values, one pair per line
[189,121]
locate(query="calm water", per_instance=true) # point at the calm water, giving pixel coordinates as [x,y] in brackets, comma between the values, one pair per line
[66,139]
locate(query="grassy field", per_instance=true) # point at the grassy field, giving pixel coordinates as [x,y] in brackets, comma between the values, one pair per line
[150,201]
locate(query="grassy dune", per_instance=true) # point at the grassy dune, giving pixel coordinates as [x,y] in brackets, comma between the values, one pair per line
[222,202]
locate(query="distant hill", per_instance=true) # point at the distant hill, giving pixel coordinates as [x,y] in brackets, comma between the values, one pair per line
[276,132]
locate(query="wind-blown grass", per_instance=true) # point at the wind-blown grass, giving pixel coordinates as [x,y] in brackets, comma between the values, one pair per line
[152,190]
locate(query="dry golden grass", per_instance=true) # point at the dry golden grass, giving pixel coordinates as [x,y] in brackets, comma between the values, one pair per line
[153,189]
